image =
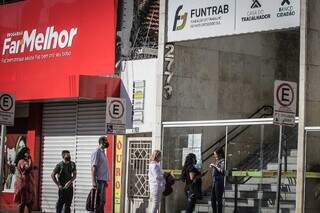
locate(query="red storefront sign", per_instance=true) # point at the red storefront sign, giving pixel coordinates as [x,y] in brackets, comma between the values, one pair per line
[45,46]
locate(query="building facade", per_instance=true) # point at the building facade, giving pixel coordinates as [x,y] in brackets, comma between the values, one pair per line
[58,58]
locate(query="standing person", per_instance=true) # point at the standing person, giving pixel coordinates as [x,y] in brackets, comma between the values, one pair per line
[100,172]
[24,193]
[218,173]
[156,180]
[66,172]
[192,176]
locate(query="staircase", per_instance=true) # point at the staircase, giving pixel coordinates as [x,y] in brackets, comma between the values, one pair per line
[258,194]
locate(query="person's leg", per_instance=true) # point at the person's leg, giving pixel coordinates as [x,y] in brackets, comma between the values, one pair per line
[60,201]
[101,195]
[213,199]
[155,202]
[21,207]
[191,204]
[68,199]
[29,206]
[219,193]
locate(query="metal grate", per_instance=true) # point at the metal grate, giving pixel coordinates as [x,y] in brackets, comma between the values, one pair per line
[139,155]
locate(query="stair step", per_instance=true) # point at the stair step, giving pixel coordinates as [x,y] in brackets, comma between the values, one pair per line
[254,210]
[256,203]
[274,166]
[261,195]
[263,187]
[293,153]
[290,160]
[284,180]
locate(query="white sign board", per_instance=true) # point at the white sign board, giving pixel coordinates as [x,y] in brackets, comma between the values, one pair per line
[285,100]
[194,19]
[116,116]
[7,109]
[262,15]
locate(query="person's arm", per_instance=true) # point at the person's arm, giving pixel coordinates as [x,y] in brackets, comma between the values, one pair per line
[94,163]
[74,176]
[28,164]
[192,175]
[94,176]
[54,178]
[219,167]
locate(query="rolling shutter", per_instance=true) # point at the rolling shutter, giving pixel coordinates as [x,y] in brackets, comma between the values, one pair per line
[90,126]
[59,128]
[76,127]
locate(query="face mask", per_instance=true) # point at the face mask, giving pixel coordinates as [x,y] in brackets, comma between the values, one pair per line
[68,158]
[105,145]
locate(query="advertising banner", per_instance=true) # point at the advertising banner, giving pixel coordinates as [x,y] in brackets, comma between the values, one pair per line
[194,19]
[46,45]
[118,174]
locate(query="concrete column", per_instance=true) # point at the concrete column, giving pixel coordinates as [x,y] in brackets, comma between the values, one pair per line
[300,188]
[156,134]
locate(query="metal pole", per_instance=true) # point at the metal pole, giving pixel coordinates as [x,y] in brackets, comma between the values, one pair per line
[235,195]
[2,142]
[279,171]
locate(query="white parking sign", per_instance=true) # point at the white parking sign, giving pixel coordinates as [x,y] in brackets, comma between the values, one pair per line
[7,109]
[116,116]
[285,100]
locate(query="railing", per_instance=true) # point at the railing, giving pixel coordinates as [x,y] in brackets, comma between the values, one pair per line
[215,146]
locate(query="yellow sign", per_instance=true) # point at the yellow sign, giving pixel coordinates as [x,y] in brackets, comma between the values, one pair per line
[117,174]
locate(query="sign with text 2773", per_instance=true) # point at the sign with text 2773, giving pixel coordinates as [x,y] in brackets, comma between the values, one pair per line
[194,19]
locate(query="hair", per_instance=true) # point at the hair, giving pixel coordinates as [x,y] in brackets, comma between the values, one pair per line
[102,139]
[64,152]
[220,152]
[21,154]
[189,162]
[155,155]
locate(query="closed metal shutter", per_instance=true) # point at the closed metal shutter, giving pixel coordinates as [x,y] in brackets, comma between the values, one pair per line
[76,127]
[59,130]
[90,126]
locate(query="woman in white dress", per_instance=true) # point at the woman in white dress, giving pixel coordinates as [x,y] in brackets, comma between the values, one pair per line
[156,181]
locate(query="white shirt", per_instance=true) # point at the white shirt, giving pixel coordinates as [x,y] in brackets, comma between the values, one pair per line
[156,180]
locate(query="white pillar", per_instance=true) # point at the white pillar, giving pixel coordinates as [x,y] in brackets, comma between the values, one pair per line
[157,131]
[300,188]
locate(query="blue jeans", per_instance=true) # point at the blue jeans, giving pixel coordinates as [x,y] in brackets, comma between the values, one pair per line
[101,195]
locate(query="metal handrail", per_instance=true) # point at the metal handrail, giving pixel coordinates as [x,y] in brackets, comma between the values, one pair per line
[264,108]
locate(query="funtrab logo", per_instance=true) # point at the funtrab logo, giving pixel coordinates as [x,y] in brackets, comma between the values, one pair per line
[255,4]
[179,18]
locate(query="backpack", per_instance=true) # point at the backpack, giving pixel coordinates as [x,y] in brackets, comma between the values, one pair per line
[92,200]
[170,180]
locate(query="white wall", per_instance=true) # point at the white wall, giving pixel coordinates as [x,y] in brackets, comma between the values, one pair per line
[139,70]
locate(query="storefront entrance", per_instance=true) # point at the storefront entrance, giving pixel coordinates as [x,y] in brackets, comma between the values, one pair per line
[251,160]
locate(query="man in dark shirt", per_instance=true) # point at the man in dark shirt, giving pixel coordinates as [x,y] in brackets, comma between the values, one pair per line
[63,176]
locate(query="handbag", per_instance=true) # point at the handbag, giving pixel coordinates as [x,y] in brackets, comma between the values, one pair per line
[195,189]
[92,200]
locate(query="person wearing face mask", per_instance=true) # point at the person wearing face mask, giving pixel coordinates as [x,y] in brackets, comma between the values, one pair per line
[156,180]
[24,194]
[100,172]
[63,176]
